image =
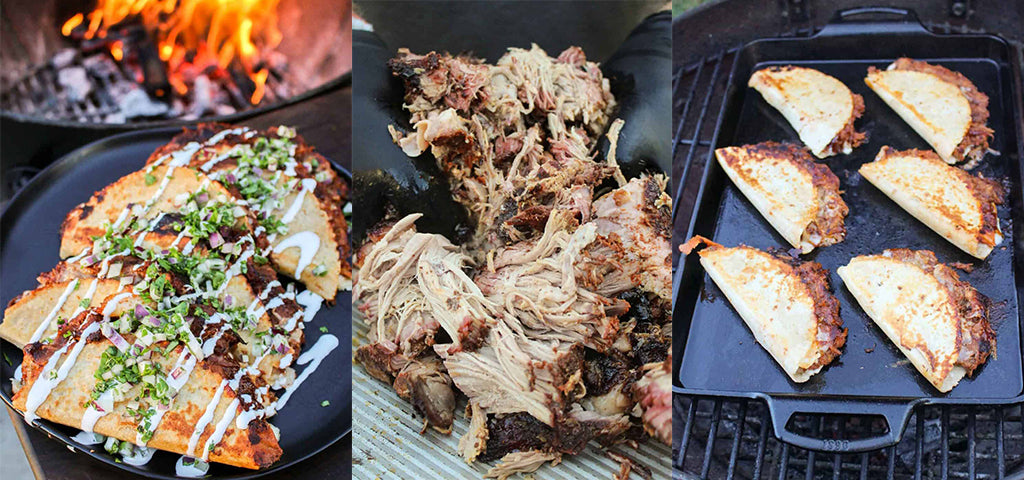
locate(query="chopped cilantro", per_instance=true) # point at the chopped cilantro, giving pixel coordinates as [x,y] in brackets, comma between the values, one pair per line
[323,329]
[150,179]
[325,403]
[85,302]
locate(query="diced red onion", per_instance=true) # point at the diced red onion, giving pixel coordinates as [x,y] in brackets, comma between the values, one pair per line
[230,178]
[90,260]
[140,311]
[258,171]
[202,197]
[177,372]
[165,252]
[228,300]
[216,240]
[114,337]
[282,348]
[154,321]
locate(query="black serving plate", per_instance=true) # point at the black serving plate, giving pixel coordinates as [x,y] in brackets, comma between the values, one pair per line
[30,239]
[871,376]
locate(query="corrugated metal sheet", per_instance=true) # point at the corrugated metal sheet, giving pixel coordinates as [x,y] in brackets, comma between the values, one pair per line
[387,443]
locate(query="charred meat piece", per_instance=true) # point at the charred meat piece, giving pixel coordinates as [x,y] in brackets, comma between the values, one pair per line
[653,392]
[425,384]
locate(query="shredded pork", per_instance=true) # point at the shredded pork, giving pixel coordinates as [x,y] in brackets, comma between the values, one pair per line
[546,317]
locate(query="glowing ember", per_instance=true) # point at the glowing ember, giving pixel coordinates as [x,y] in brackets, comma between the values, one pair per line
[194,35]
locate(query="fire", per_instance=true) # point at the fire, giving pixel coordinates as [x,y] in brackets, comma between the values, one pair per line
[193,35]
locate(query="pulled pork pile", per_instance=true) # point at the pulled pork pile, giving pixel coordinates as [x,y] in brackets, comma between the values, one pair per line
[553,319]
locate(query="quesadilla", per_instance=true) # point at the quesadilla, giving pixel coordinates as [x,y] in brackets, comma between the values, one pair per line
[941,105]
[955,204]
[820,108]
[937,320]
[294,192]
[144,194]
[798,196]
[60,384]
[166,327]
[786,303]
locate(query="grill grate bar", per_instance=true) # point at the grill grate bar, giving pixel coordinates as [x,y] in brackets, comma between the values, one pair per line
[700,121]
[741,420]
[945,442]
[691,413]
[971,444]
[716,417]
[920,442]
[679,132]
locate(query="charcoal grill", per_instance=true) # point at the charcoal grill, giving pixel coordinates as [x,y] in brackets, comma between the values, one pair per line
[715,437]
[34,133]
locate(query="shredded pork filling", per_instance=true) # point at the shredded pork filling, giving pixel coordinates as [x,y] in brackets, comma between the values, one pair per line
[560,273]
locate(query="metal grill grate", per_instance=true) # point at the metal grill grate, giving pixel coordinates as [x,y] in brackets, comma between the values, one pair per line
[717,438]
[726,438]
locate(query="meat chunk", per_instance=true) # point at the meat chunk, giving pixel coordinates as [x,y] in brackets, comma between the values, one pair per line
[638,215]
[653,393]
[412,283]
[425,384]
[512,373]
[522,462]
[536,282]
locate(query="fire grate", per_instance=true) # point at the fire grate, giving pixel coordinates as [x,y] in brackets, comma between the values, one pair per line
[717,438]
[726,438]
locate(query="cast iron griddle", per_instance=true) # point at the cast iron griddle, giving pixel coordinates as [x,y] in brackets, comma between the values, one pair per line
[29,241]
[871,376]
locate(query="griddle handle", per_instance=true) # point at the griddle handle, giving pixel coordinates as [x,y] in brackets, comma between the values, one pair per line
[896,414]
[843,22]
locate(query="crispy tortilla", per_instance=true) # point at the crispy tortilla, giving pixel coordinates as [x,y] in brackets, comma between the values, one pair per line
[320,212]
[798,196]
[106,206]
[820,108]
[941,105]
[960,207]
[255,447]
[938,321]
[786,303]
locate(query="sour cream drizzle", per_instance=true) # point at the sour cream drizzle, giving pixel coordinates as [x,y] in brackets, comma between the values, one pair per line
[307,242]
[222,426]
[93,414]
[308,184]
[207,417]
[53,313]
[43,385]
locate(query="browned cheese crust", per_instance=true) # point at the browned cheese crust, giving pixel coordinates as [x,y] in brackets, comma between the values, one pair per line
[831,334]
[976,340]
[975,142]
[990,195]
[832,210]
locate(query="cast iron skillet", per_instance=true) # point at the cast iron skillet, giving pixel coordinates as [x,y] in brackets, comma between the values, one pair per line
[871,377]
[29,241]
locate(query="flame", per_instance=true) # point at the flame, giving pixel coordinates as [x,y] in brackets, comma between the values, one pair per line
[192,35]
[117,50]
[71,24]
